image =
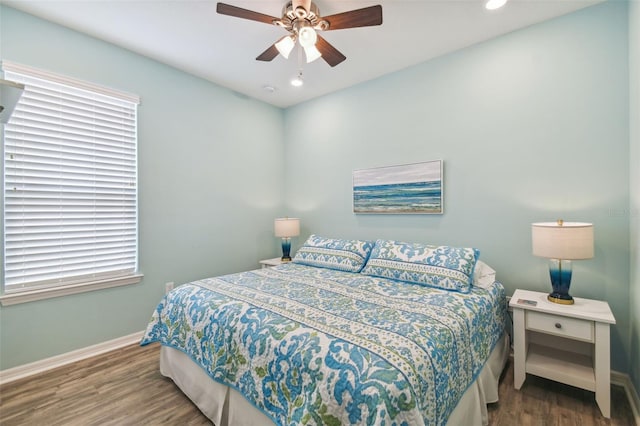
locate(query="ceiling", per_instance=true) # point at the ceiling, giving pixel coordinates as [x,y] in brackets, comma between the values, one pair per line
[191,36]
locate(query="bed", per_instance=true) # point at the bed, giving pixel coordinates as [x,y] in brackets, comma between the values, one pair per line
[350,332]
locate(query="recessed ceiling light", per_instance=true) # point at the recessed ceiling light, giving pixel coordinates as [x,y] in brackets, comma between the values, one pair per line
[297,81]
[494,4]
[268,88]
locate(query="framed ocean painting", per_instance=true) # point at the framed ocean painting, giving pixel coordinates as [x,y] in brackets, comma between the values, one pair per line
[407,188]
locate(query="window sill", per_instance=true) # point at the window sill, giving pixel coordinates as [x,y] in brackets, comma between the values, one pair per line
[49,293]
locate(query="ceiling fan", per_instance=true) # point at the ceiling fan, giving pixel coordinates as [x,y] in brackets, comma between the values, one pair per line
[301,18]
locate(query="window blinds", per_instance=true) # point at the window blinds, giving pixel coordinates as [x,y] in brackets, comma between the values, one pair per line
[70,173]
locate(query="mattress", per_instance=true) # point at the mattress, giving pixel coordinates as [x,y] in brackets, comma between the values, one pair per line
[313,345]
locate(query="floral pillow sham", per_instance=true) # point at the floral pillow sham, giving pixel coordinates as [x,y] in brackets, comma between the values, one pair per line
[343,255]
[448,268]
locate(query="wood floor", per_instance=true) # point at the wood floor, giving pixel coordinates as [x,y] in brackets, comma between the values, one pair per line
[124,387]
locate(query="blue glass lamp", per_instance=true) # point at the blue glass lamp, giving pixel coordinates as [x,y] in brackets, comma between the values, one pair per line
[286,228]
[561,242]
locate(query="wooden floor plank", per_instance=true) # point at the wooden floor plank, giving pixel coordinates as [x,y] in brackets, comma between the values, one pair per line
[542,402]
[125,387]
[122,387]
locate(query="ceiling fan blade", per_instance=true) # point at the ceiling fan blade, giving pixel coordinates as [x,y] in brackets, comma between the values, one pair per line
[365,17]
[268,54]
[238,12]
[330,54]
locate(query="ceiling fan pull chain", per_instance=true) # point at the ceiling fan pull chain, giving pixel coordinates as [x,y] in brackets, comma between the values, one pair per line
[297,80]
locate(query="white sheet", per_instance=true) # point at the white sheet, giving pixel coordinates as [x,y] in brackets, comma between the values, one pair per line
[227,407]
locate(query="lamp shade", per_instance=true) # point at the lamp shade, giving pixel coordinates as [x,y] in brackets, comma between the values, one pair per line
[562,240]
[285,45]
[312,53]
[307,36]
[287,227]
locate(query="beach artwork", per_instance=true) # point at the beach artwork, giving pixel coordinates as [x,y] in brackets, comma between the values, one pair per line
[408,188]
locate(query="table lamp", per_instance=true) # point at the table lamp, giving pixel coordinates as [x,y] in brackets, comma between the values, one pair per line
[286,228]
[561,242]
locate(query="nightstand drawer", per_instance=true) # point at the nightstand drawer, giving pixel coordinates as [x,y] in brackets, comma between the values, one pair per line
[561,326]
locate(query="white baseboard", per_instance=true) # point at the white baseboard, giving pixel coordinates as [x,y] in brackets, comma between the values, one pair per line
[26,370]
[621,379]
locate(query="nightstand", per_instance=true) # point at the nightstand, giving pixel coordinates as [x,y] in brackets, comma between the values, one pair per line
[267,263]
[565,343]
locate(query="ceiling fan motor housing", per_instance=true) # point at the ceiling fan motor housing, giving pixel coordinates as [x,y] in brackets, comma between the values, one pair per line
[301,8]
[292,13]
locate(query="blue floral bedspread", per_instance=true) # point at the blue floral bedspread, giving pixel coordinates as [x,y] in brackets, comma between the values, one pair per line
[309,345]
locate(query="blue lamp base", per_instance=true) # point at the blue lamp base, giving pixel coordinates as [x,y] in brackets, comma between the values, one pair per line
[560,273]
[286,250]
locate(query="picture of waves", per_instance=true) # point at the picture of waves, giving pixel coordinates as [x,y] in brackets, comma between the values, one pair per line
[413,188]
[414,197]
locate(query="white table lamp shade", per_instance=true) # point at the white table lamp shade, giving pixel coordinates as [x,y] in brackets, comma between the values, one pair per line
[566,241]
[287,227]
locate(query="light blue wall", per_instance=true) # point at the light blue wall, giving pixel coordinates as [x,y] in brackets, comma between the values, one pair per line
[532,126]
[634,156]
[210,180]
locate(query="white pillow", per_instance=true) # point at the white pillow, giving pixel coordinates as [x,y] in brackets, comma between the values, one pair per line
[483,275]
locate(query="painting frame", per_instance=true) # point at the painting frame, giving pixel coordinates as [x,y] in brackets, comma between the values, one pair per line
[414,188]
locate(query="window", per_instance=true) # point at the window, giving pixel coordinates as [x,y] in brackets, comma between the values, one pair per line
[70,195]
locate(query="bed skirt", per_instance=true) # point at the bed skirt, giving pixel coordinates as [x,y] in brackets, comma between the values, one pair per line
[225,406]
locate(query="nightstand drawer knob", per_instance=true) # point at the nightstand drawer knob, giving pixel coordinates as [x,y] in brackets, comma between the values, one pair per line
[558,325]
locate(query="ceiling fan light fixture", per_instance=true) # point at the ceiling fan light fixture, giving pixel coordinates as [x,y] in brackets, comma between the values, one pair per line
[494,4]
[307,37]
[312,53]
[285,45]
